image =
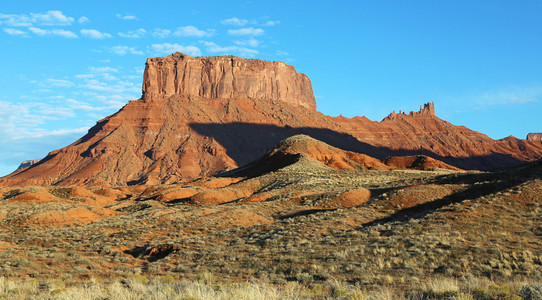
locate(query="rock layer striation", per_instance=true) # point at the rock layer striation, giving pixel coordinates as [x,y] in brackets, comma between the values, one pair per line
[226,77]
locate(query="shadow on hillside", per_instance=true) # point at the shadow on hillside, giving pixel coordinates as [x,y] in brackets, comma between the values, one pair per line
[483,184]
[246,142]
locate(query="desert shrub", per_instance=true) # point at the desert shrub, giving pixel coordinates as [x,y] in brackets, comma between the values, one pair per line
[442,288]
[167,279]
[82,261]
[303,277]
[531,292]
[494,292]
[317,289]
[21,262]
[206,278]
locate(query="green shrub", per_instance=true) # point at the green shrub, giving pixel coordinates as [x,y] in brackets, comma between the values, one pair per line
[303,277]
[140,279]
[167,279]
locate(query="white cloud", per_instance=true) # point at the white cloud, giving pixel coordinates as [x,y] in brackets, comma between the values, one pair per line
[250,42]
[95,72]
[57,132]
[270,23]
[103,70]
[126,17]
[45,119]
[95,34]
[123,50]
[111,86]
[243,51]
[134,34]
[57,112]
[191,31]
[83,106]
[508,96]
[161,33]
[168,48]
[58,82]
[21,121]
[12,31]
[64,33]
[38,31]
[282,53]
[83,20]
[234,22]
[57,32]
[84,76]
[246,31]
[49,18]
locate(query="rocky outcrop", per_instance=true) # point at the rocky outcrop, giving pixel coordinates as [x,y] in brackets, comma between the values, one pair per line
[226,77]
[27,163]
[534,137]
[423,133]
[428,110]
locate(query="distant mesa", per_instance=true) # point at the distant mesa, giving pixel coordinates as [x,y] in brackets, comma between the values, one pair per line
[226,77]
[201,115]
[534,137]
[27,163]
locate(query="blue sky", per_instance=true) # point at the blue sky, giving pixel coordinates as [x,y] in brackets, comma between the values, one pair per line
[67,64]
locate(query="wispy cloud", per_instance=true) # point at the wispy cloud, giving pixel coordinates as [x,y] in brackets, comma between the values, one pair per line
[243,51]
[167,48]
[192,31]
[58,82]
[123,50]
[83,20]
[12,31]
[270,23]
[246,31]
[250,42]
[31,126]
[84,76]
[508,96]
[281,53]
[118,87]
[53,32]
[126,17]
[39,31]
[161,33]
[234,22]
[103,70]
[57,112]
[57,132]
[64,33]
[21,121]
[49,18]
[83,106]
[135,34]
[95,34]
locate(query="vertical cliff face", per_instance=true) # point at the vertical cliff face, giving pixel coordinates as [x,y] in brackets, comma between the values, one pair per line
[226,77]
[534,137]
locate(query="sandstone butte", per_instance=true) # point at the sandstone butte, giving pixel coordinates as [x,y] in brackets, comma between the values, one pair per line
[201,115]
[534,137]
